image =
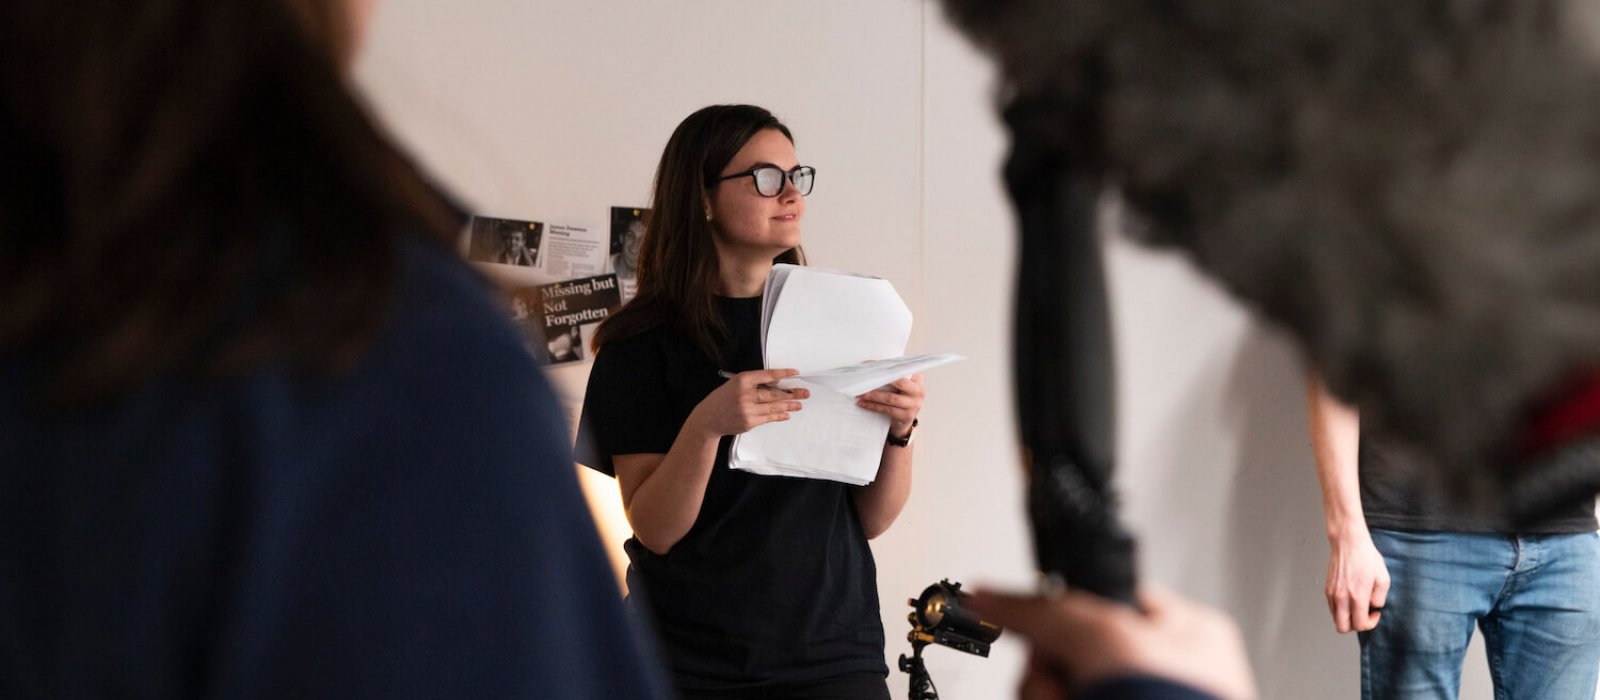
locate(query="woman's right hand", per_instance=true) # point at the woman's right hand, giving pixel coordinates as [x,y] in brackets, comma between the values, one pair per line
[745,401]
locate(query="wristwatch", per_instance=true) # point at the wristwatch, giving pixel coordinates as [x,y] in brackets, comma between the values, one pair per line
[903,441]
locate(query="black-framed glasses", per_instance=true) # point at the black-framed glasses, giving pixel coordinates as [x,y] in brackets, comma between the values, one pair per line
[769,178]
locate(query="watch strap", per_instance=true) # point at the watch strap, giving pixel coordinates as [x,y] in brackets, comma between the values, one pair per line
[903,441]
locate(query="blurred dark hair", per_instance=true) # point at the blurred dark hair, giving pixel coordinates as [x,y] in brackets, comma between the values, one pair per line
[188,185]
[678,271]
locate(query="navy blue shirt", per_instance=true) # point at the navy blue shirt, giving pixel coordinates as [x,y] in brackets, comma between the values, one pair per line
[1142,688]
[411,528]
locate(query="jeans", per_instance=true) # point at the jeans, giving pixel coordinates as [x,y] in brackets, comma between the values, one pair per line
[1535,597]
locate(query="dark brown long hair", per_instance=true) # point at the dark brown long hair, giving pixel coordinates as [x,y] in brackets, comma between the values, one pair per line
[187,185]
[678,269]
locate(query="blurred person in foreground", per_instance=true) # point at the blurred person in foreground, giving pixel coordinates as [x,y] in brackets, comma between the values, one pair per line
[231,463]
[1408,190]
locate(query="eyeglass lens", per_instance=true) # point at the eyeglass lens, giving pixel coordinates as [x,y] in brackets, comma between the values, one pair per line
[769,180]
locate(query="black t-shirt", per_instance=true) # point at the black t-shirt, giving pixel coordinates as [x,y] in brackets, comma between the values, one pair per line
[775,582]
[1400,492]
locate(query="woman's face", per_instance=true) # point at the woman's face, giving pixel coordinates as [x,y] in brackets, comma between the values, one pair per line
[741,218]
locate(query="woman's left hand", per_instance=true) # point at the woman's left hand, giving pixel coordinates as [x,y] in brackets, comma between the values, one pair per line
[901,405]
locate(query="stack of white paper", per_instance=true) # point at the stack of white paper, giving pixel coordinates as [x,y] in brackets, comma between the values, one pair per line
[836,328]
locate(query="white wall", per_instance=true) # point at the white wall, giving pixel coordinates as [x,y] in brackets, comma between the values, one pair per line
[557,111]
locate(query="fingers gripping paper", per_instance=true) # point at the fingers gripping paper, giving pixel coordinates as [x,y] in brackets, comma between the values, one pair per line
[836,328]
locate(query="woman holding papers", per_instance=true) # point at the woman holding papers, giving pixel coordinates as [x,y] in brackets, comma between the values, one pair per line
[756,583]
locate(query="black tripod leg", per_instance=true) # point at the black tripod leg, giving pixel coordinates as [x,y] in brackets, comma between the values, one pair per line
[920,686]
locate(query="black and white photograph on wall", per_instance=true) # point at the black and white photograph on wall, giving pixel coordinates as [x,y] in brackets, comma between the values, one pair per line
[562,316]
[627,233]
[505,241]
[524,305]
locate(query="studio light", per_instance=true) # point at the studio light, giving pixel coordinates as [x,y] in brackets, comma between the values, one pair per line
[938,616]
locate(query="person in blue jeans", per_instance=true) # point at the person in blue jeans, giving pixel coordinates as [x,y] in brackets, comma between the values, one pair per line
[1413,578]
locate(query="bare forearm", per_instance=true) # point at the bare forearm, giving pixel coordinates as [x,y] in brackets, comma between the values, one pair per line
[1335,438]
[1358,579]
[879,503]
[667,503]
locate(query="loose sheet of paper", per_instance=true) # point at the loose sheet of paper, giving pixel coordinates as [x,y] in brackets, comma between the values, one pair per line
[854,380]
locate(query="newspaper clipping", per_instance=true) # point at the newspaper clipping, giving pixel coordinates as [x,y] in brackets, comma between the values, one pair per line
[570,252]
[559,319]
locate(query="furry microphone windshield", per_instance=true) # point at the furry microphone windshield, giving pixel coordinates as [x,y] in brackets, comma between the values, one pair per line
[1411,189]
